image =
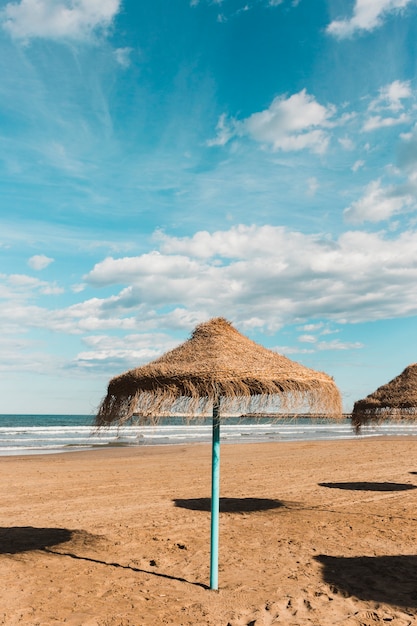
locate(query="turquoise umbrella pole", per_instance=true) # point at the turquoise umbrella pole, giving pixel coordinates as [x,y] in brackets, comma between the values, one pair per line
[215,488]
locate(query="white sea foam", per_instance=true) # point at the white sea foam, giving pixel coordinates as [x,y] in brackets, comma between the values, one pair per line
[46,434]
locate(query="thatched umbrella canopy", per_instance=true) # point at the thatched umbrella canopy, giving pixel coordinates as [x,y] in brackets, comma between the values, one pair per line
[395,400]
[221,369]
[217,363]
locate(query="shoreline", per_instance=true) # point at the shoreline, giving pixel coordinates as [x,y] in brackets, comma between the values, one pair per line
[311,532]
[159,447]
[247,440]
[27,439]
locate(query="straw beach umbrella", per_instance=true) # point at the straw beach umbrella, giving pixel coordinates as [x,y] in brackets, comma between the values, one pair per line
[220,370]
[395,400]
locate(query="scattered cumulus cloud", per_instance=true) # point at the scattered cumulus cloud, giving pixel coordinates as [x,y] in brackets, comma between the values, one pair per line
[123,56]
[377,121]
[388,108]
[339,345]
[335,344]
[379,203]
[57,19]
[293,123]
[112,269]
[224,132]
[280,277]
[299,122]
[320,344]
[346,143]
[391,96]
[39,261]
[290,350]
[20,287]
[78,288]
[260,277]
[358,165]
[312,327]
[367,15]
[126,351]
[307,339]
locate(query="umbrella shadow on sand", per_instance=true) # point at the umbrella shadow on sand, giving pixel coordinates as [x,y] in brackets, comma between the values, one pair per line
[17,539]
[230,505]
[370,486]
[388,579]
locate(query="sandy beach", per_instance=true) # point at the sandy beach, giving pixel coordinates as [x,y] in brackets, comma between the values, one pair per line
[319,533]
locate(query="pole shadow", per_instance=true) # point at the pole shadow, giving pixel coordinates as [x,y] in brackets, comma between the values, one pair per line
[18,539]
[130,567]
[230,505]
[388,579]
[370,486]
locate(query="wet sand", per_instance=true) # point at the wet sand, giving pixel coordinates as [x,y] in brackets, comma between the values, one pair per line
[319,533]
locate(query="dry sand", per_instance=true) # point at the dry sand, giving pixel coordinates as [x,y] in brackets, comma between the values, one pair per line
[317,533]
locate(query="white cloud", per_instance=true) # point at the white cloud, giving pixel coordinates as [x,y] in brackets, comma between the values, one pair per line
[388,108]
[238,242]
[21,286]
[367,15]
[289,350]
[346,143]
[125,352]
[379,203]
[377,121]
[295,123]
[307,339]
[271,277]
[123,56]
[57,19]
[39,261]
[312,327]
[339,345]
[78,288]
[357,165]
[390,96]
[224,132]
[280,277]
[335,344]
[135,268]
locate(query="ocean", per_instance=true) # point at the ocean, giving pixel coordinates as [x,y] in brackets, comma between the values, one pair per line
[40,434]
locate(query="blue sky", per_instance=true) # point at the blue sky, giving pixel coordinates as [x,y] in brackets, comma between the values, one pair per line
[162,163]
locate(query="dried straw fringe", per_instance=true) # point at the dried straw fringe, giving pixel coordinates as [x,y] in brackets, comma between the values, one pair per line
[397,400]
[376,416]
[217,363]
[235,397]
